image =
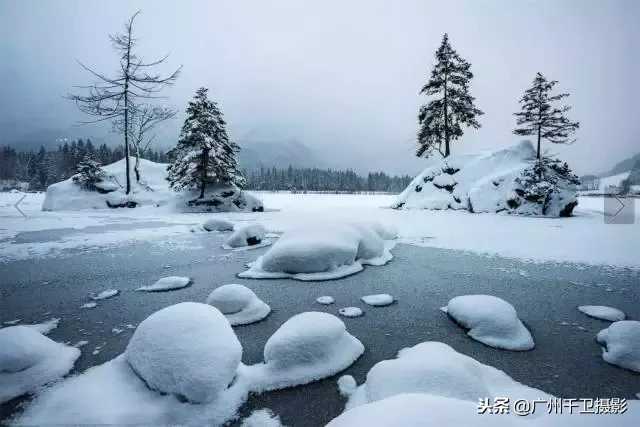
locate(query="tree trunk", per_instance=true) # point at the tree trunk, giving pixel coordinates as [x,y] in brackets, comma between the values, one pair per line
[126,115]
[447,151]
[203,183]
[136,167]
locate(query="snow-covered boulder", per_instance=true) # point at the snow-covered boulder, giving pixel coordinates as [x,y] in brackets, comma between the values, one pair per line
[29,360]
[324,252]
[187,349]
[239,304]
[621,344]
[167,284]
[602,312]
[248,235]
[504,180]
[351,312]
[325,300]
[490,320]
[307,347]
[216,224]
[378,300]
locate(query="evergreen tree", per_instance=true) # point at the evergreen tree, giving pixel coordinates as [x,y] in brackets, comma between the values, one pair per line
[540,116]
[441,119]
[89,173]
[204,154]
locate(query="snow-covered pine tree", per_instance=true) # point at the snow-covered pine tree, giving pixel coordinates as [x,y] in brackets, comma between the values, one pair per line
[540,116]
[204,153]
[442,118]
[89,173]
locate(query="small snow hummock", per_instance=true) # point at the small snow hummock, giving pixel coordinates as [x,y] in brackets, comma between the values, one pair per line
[490,320]
[325,300]
[248,235]
[262,418]
[307,347]
[109,293]
[602,312]
[621,344]
[91,304]
[378,300]
[167,284]
[215,224]
[156,351]
[239,304]
[351,312]
[324,252]
[29,360]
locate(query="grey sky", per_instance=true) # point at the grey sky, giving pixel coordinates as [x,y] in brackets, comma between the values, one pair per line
[341,76]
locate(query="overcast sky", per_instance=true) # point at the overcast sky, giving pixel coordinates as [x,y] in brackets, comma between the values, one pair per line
[341,76]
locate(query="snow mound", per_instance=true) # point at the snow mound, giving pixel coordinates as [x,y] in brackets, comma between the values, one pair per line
[325,300]
[248,235]
[351,312]
[602,312]
[215,224]
[378,300]
[494,182]
[307,347]
[45,327]
[239,304]
[621,344]
[437,369]
[326,252]
[490,320]
[187,349]
[262,418]
[167,284]
[29,360]
[109,293]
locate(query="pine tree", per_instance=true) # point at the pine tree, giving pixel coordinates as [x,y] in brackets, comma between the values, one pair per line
[89,173]
[539,115]
[441,119]
[204,154]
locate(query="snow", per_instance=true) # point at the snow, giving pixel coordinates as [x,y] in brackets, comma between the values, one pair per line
[167,284]
[156,351]
[262,418]
[239,304]
[217,224]
[248,235]
[621,344]
[108,293]
[378,300]
[490,320]
[45,327]
[89,305]
[323,252]
[602,312]
[351,312]
[29,360]
[325,300]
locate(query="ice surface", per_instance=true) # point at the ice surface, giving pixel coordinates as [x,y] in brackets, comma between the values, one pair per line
[351,312]
[325,300]
[602,312]
[378,300]
[167,284]
[239,304]
[248,235]
[156,351]
[621,344]
[216,224]
[109,293]
[490,320]
[29,360]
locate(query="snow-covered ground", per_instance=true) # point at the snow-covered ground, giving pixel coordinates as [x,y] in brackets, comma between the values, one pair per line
[584,238]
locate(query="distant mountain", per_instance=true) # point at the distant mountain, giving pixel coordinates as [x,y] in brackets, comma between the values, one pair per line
[277,153]
[624,166]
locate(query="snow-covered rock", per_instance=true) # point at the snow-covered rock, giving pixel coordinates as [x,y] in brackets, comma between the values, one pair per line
[602,312]
[29,360]
[106,294]
[219,198]
[490,320]
[325,300]
[378,300]
[502,180]
[262,418]
[167,284]
[239,304]
[307,347]
[188,350]
[621,344]
[248,235]
[351,312]
[324,252]
[216,224]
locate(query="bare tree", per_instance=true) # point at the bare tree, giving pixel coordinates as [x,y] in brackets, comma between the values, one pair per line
[113,98]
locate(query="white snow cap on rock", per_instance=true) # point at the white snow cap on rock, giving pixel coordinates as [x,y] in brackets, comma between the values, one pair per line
[157,351]
[167,284]
[325,300]
[216,224]
[378,300]
[351,311]
[490,320]
[324,252]
[239,304]
[262,418]
[108,293]
[248,235]
[29,360]
[621,344]
[602,312]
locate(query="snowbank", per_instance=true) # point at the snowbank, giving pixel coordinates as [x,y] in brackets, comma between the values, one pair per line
[248,235]
[29,360]
[239,304]
[157,351]
[492,182]
[602,312]
[490,320]
[324,252]
[167,284]
[215,224]
[621,344]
